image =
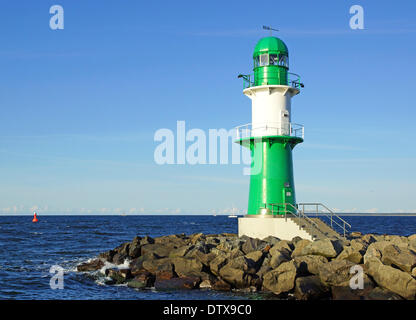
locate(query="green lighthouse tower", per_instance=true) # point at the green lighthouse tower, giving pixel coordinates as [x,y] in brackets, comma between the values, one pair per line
[271,136]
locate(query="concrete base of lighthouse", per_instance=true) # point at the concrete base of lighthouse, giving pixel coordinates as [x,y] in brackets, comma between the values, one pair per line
[261,227]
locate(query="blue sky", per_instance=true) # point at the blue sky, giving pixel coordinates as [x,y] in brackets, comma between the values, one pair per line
[79,106]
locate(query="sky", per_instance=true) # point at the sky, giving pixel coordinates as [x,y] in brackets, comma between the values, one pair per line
[79,107]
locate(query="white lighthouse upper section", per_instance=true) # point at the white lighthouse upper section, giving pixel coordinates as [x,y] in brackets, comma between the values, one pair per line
[271,109]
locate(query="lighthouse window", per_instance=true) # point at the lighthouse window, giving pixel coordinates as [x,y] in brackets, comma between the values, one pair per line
[264,59]
[283,61]
[273,59]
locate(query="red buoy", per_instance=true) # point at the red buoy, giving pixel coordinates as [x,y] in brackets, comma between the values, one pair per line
[35,219]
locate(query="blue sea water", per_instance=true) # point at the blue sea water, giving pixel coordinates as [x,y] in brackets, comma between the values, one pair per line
[28,250]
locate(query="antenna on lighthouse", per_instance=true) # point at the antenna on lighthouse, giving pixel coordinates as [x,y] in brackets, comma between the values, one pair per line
[270,29]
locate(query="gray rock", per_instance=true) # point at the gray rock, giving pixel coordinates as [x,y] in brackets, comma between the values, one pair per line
[382,294]
[281,279]
[186,283]
[119,258]
[309,264]
[253,245]
[119,276]
[336,273]
[299,245]
[155,265]
[93,265]
[185,267]
[279,257]
[237,278]
[325,248]
[146,240]
[401,258]
[272,240]
[135,248]
[161,250]
[391,278]
[181,251]
[310,288]
[351,255]
[217,263]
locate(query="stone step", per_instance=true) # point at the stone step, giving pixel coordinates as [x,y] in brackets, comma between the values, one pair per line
[319,230]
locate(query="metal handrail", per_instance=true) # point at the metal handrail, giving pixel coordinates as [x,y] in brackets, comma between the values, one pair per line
[299,214]
[293,80]
[338,221]
[293,129]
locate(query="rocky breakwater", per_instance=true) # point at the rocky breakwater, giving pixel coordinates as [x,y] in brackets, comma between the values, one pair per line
[297,269]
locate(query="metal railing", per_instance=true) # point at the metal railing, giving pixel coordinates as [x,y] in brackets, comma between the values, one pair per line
[322,210]
[293,80]
[288,208]
[290,129]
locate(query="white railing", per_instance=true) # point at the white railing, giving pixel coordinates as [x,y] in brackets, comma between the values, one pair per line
[260,130]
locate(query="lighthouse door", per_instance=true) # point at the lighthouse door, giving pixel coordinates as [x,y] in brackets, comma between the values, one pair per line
[288,196]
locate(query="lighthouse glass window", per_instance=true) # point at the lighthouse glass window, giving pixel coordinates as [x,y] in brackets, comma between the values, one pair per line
[283,60]
[264,59]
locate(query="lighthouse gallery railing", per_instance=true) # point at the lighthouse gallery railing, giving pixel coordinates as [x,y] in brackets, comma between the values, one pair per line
[290,129]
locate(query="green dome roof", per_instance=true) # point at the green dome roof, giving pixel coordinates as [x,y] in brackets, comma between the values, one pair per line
[270,45]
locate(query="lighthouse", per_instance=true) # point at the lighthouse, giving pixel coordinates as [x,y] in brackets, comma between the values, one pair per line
[271,137]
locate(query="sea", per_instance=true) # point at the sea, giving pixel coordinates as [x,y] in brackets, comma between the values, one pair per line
[29,251]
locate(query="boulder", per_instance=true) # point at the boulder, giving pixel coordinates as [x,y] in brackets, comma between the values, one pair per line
[142,280]
[205,284]
[186,283]
[412,237]
[401,258]
[391,278]
[253,244]
[146,240]
[382,294]
[310,288]
[281,279]
[119,258]
[242,263]
[336,273]
[369,238]
[185,267]
[324,247]
[136,265]
[309,264]
[155,265]
[180,252]
[283,244]
[299,245]
[119,276]
[279,257]
[355,234]
[217,263]
[197,237]
[255,258]
[414,272]
[345,293]
[395,239]
[221,285]
[237,278]
[134,248]
[271,240]
[350,254]
[108,255]
[204,258]
[161,250]
[93,265]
